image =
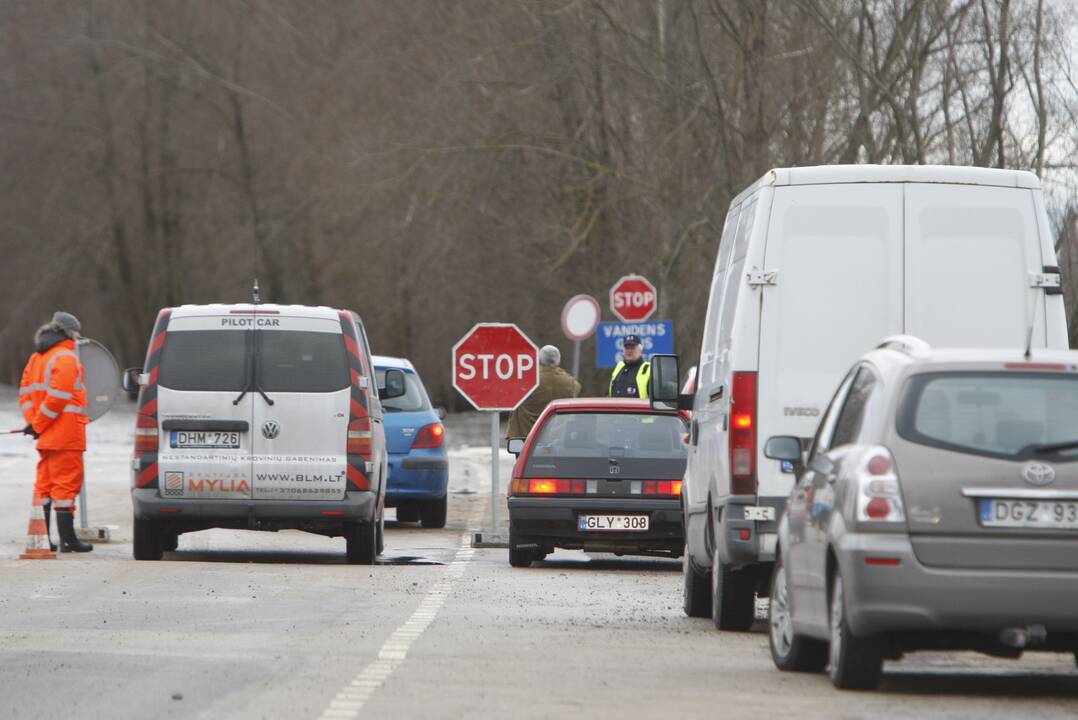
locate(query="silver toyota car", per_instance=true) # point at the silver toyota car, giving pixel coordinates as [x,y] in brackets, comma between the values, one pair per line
[937,509]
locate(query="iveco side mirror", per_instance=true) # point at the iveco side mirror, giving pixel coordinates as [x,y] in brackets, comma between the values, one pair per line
[663,389]
[394,385]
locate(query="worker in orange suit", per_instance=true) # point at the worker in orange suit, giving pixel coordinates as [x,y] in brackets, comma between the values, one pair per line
[52,397]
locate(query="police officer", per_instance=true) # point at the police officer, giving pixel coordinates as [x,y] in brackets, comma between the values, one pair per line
[631,375]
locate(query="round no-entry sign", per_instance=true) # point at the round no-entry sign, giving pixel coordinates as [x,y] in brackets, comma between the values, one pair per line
[580,317]
[633,298]
[495,366]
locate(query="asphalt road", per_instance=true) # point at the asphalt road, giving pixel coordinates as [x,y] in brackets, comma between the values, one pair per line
[271,625]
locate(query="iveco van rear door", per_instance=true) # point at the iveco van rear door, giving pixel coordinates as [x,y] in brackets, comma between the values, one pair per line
[301,408]
[205,441]
[973,253]
[836,253]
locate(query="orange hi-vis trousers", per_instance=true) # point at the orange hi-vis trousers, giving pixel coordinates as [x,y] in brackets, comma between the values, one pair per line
[59,476]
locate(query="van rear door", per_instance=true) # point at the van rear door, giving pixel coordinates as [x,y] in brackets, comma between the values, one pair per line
[300,440]
[837,250]
[971,253]
[205,441]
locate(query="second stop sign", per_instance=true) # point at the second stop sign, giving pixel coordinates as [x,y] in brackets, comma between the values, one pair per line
[633,298]
[495,366]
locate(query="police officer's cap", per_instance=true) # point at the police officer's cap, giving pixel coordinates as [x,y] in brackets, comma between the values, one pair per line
[631,340]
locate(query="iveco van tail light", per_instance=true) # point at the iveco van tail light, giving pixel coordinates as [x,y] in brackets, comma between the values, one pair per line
[879,498]
[430,436]
[146,436]
[743,434]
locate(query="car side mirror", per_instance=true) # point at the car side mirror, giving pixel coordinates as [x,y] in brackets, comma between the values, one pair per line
[784,447]
[131,380]
[822,464]
[393,386]
[663,389]
[515,446]
[440,412]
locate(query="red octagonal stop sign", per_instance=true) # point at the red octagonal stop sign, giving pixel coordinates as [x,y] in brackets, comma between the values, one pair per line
[633,298]
[495,366]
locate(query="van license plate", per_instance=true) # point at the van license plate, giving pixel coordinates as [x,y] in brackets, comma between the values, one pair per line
[618,523]
[1051,514]
[193,439]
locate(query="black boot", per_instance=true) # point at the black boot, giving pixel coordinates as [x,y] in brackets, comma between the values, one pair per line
[65,524]
[47,507]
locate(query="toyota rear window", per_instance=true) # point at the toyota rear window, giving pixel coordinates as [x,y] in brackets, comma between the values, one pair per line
[1011,415]
[629,446]
[205,360]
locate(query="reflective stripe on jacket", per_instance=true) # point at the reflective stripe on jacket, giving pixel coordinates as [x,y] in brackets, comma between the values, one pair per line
[643,377]
[52,397]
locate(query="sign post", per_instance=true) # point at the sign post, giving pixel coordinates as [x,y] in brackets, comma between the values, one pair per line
[579,318]
[633,298]
[495,367]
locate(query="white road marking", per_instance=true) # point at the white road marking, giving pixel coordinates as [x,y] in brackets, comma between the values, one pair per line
[350,701]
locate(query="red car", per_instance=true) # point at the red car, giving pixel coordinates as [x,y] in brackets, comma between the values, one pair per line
[601,475]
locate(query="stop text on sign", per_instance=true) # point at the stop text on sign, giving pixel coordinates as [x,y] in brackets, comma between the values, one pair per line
[504,366]
[495,366]
[633,298]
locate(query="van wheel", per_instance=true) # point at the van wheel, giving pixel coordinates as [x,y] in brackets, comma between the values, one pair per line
[361,542]
[856,662]
[147,540]
[407,513]
[433,513]
[733,596]
[697,589]
[170,541]
[382,532]
[790,651]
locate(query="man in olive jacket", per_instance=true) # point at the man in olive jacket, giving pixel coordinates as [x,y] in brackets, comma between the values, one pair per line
[554,383]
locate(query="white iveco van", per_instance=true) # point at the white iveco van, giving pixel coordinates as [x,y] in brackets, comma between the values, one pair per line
[261,417]
[815,266]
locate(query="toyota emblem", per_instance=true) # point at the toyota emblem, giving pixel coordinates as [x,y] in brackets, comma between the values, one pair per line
[1037,473]
[270,429]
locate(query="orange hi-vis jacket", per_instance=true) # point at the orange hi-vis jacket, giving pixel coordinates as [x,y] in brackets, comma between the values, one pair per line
[52,396]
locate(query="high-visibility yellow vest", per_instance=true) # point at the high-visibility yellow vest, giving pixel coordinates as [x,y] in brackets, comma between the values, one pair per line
[643,377]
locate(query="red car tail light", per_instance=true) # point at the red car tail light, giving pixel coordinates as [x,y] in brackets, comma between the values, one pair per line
[743,434]
[662,487]
[430,436]
[548,486]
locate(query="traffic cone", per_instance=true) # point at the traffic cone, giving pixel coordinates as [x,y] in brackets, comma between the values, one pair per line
[37,536]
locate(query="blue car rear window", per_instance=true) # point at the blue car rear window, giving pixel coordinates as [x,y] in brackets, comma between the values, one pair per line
[414,398]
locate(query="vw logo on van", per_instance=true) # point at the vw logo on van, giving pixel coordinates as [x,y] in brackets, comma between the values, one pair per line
[1037,473]
[270,429]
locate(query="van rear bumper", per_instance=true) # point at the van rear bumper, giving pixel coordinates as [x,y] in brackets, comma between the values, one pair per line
[267,514]
[737,520]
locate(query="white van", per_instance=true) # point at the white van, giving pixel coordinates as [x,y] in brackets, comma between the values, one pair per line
[815,266]
[261,417]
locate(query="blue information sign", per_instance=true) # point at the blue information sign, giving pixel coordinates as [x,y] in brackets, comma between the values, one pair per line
[657,337]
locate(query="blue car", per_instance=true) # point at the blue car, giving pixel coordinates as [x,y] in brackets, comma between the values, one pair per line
[418,483]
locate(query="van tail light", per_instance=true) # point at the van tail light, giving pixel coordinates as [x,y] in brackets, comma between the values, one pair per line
[743,434]
[879,498]
[548,486]
[146,435]
[359,437]
[430,436]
